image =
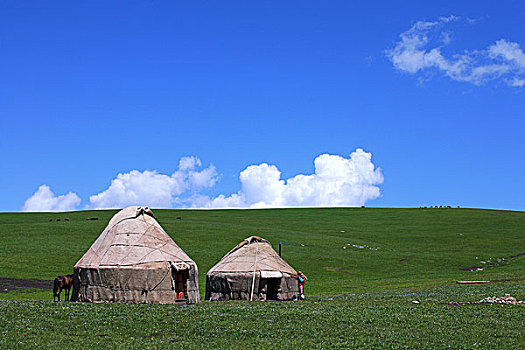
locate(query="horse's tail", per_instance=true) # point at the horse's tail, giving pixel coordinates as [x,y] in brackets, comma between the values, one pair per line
[56,286]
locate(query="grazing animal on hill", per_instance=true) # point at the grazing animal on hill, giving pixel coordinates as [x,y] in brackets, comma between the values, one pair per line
[62,283]
[179,218]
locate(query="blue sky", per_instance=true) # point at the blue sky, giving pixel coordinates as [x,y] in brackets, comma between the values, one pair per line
[92,90]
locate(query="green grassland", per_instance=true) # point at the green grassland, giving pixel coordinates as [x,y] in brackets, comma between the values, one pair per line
[399,255]
[436,243]
[364,320]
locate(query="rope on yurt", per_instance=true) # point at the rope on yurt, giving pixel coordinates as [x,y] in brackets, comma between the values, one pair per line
[254,269]
[167,272]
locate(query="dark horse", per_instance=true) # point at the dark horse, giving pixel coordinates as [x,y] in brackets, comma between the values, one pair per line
[62,282]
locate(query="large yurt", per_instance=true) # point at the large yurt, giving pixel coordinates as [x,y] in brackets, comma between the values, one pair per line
[252,271]
[135,261]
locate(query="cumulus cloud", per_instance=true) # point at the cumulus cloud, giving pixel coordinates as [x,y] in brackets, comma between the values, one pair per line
[337,181]
[153,189]
[420,49]
[45,200]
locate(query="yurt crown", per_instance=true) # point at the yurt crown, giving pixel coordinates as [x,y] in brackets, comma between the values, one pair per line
[144,210]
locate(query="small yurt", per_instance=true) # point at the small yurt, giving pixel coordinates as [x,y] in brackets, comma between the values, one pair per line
[135,261]
[252,271]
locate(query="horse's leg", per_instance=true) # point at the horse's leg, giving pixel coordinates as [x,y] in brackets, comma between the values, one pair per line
[59,291]
[67,294]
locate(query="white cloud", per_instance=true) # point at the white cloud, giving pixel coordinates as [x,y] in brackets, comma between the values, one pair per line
[517,82]
[189,163]
[153,189]
[337,181]
[508,51]
[44,200]
[420,48]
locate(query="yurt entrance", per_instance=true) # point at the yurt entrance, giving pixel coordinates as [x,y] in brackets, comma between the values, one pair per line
[271,281]
[180,272]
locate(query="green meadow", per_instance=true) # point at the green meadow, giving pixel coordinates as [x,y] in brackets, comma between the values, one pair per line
[365,267]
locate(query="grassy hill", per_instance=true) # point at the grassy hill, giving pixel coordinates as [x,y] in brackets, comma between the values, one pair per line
[341,250]
[366,267]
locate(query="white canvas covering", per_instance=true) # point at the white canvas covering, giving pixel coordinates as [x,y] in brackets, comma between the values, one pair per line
[252,271]
[135,261]
[271,274]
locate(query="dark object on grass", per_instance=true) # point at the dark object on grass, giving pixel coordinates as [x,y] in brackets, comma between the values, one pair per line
[58,219]
[62,283]
[66,219]
[471,282]
[7,284]
[179,217]
[472,268]
[408,257]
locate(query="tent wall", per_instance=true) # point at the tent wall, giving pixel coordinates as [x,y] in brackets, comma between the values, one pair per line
[238,286]
[150,283]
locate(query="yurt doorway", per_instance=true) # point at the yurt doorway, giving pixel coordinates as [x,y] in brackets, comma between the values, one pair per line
[180,272]
[272,288]
[271,280]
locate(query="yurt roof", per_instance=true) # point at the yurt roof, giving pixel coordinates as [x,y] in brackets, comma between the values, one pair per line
[252,254]
[133,236]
